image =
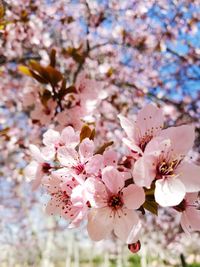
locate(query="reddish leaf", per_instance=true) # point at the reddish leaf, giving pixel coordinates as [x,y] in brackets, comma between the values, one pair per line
[101,149]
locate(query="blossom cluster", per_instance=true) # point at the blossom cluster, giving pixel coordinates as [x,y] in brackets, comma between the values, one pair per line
[111,191]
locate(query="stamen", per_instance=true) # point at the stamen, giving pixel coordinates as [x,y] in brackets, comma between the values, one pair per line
[79,168]
[115,202]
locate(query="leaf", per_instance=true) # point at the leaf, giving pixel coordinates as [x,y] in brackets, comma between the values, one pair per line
[150,191]
[38,77]
[53,58]
[92,134]
[151,206]
[36,67]
[4,131]
[45,97]
[85,132]
[54,76]
[48,74]
[71,89]
[64,91]
[101,149]
[25,70]
[2,9]
[76,55]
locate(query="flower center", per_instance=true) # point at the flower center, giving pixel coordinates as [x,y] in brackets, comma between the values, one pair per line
[46,167]
[115,202]
[79,168]
[166,168]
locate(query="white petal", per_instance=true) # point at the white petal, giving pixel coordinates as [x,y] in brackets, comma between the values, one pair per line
[86,149]
[67,156]
[169,192]
[35,153]
[31,170]
[127,125]
[50,137]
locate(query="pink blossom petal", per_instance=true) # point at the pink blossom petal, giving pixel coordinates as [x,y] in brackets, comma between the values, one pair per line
[150,120]
[52,208]
[191,197]
[52,183]
[190,220]
[78,197]
[94,164]
[127,125]
[113,179]
[169,192]
[133,196]
[68,185]
[77,220]
[158,145]
[132,146]
[38,178]
[100,224]
[134,233]
[50,137]
[126,225]
[31,170]
[110,158]
[86,149]
[144,171]
[189,174]
[96,193]
[69,137]
[35,153]
[48,153]
[67,156]
[182,138]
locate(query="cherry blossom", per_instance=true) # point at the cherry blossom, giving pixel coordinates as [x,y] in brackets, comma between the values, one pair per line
[68,137]
[147,125]
[77,163]
[39,166]
[92,61]
[113,207]
[67,198]
[190,212]
[42,113]
[163,162]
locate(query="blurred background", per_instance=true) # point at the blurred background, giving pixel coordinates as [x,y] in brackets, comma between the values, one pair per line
[142,51]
